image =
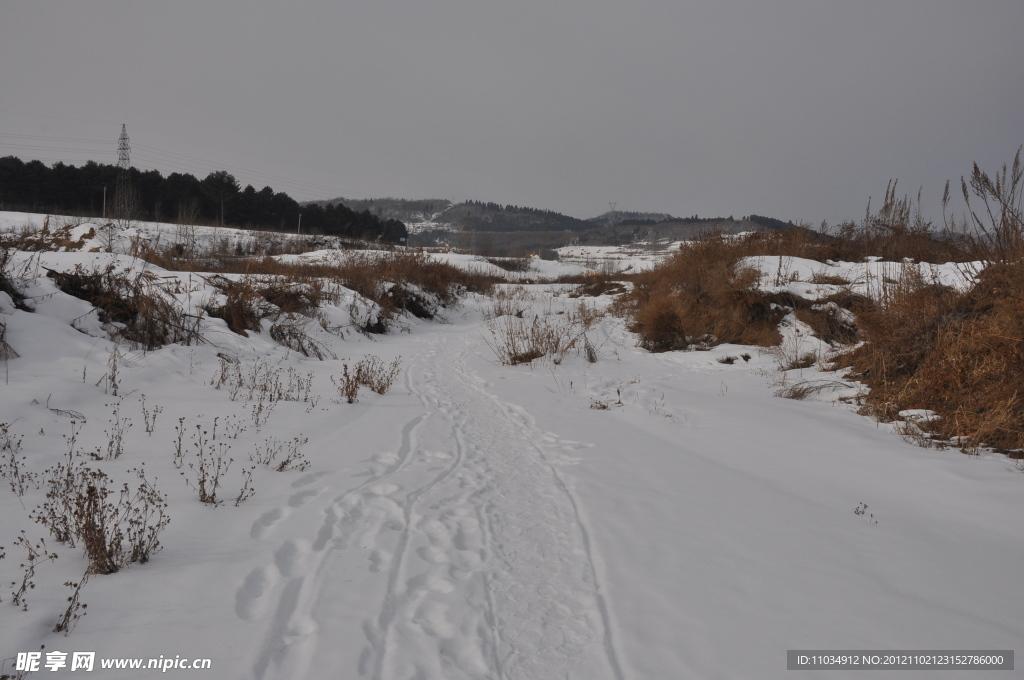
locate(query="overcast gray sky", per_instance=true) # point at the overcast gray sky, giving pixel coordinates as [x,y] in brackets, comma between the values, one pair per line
[798,110]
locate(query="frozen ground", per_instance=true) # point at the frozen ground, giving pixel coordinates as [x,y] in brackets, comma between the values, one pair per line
[642,517]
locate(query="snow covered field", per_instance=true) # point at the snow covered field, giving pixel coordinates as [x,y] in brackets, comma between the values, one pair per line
[646,516]
[633,258]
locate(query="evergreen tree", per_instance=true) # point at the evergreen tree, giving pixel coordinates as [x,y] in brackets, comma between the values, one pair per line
[220,186]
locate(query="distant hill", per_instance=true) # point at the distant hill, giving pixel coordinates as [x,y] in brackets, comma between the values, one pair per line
[415,213]
[442,214]
[627,217]
[514,230]
[645,219]
[518,243]
[478,216]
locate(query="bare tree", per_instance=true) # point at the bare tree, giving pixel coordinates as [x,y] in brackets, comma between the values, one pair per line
[188,215]
[127,208]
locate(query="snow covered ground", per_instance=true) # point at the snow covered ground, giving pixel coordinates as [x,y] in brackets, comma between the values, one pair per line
[198,238]
[90,234]
[631,258]
[646,516]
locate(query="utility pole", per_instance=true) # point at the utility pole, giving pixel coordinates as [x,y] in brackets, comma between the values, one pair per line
[104,202]
[298,229]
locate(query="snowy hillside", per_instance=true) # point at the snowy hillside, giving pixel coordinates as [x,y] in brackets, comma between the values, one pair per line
[638,516]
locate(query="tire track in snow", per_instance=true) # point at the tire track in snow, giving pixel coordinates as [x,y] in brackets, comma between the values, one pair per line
[531,608]
[483,562]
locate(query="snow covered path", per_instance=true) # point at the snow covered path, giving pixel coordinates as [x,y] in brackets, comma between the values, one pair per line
[470,544]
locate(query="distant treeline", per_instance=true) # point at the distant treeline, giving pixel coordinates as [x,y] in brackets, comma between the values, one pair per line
[478,216]
[65,189]
[766,222]
[770,222]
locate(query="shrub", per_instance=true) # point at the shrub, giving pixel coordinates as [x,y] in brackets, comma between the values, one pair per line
[35,555]
[210,466]
[347,385]
[6,351]
[243,309]
[699,298]
[149,417]
[373,373]
[115,435]
[260,381]
[137,302]
[11,463]
[80,507]
[370,372]
[996,231]
[958,354]
[253,298]
[897,230]
[9,280]
[831,323]
[518,339]
[66,623]
[398,283]
[292,332]
[281,456]
[510,264]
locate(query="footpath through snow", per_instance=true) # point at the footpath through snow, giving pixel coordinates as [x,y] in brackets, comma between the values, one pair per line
[464,545]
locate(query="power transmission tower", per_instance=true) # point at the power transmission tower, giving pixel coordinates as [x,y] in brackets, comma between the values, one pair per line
[122,195]
[611,211]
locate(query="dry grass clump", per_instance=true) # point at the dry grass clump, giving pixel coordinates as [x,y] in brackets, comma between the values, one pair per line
[260,381]
[924,345]
[253,298]
[796,242]
[897,230]
[591,277]
[57,238]
[598,284]
[959,354]
[517,338]
[370,371]
[698,298]
[832,322]
[136,303]
[12,278]
[292,331]
[7,283]
[243,309]
[398,283]
[115,528]
[281,456]
[510,264]
[411,283]
[183,251]
[12,463]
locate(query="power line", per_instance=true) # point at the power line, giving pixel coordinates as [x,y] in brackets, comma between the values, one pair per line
[57,139]
[161,155]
